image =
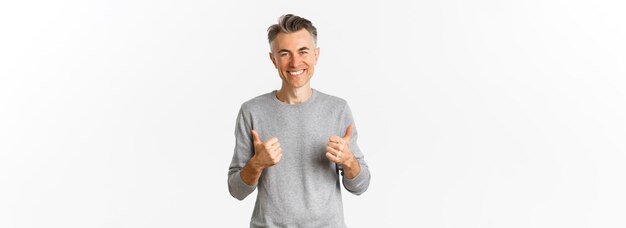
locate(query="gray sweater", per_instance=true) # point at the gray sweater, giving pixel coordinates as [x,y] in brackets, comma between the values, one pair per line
[303,189]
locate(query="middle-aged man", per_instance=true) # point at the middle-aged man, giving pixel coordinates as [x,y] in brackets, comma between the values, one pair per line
[292,144]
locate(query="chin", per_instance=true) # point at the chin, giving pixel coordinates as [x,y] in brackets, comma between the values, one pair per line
[299,84]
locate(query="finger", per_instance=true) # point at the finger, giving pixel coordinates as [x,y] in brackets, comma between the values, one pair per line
[348,133]
[278,150]
[271,141]
[274,146]
[336,146]
[335,157]
[276,159]
[335,139]
[331,157]
[331,150]
[271,146]
[255,137]
[279,157]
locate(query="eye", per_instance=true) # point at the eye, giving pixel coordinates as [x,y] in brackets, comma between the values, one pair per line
[303,52]
[283,54]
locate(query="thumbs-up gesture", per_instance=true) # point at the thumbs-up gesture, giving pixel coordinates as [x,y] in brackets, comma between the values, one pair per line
[266,153]
[338,148]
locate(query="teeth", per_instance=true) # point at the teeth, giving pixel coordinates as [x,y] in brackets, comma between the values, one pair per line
[297,72]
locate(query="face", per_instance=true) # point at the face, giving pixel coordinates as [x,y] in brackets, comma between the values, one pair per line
[294,55]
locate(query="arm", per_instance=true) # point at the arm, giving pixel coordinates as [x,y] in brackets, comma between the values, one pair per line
[266,155]
[351,168]
[356,176]
[251,173]
[250,158]
[350,160]
[360,182]
[244,150]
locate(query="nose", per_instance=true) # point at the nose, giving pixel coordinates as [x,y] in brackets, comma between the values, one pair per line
[295,61]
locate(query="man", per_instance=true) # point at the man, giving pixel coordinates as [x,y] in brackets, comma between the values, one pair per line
[293,143]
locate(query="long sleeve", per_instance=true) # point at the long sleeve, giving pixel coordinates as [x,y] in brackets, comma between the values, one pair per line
[244,150]
[361,182]
[304,188]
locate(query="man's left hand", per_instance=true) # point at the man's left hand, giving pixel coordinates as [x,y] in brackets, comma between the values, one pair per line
[338,149]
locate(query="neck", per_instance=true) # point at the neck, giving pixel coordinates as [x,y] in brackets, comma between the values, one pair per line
[294,95]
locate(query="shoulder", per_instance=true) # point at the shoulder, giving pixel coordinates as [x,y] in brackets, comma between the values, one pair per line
[331,100]
[257,102]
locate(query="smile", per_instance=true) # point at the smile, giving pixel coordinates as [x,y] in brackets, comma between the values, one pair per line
[296,73]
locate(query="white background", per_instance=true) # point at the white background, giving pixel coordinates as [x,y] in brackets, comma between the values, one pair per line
[470,113]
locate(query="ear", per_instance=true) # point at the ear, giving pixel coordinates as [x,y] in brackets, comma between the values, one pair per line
[317,54]
[273,61]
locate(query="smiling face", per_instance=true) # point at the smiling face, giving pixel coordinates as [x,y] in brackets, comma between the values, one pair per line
[294,55]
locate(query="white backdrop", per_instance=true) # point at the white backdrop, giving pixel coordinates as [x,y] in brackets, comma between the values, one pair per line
[470,113]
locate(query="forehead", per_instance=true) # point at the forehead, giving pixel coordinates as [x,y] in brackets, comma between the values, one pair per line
[293,41]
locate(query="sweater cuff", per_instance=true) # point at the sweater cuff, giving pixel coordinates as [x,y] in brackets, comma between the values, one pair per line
[238,188]
[359,183]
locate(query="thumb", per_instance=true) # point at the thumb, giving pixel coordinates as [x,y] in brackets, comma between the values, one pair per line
[255,137]
[348,133]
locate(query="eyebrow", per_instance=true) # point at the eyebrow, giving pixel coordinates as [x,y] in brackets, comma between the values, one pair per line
[301,49]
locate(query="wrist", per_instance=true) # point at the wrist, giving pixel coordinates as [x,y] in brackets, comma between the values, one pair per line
[254,165]
[350,163]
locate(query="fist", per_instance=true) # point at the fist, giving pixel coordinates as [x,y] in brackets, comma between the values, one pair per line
[338,148]
[268,153]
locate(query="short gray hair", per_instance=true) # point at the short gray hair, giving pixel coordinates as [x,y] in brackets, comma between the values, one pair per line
[289,23]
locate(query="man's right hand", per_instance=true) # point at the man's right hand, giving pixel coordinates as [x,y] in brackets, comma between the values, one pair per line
[266,154]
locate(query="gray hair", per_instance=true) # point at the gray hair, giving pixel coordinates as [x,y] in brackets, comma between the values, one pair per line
[289,23]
